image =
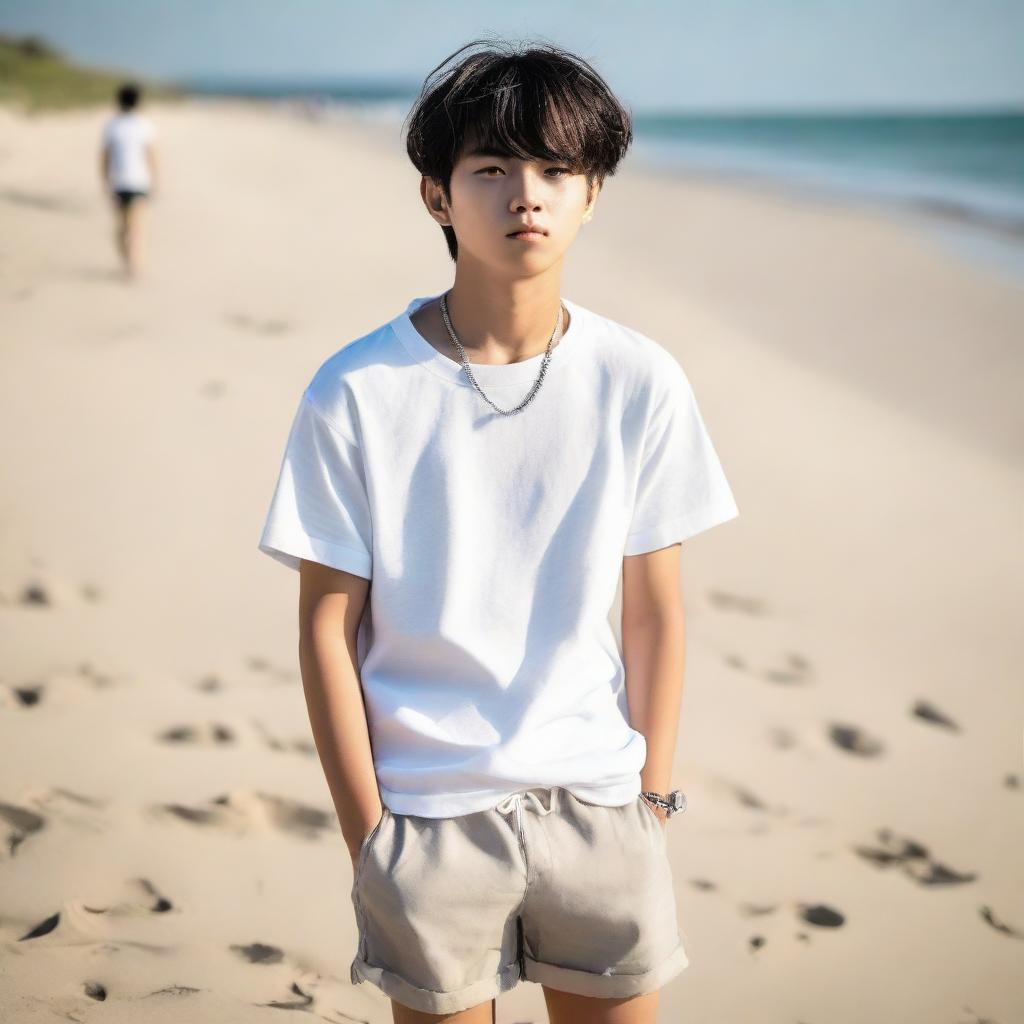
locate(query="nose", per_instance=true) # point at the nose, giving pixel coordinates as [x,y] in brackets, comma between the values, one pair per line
[526,193]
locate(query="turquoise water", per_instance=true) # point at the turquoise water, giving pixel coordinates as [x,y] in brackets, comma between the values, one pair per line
[971,164]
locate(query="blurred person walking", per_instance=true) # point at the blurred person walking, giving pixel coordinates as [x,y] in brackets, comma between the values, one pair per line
[129,172]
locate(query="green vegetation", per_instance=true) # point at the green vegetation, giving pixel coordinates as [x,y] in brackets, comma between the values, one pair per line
[37,77]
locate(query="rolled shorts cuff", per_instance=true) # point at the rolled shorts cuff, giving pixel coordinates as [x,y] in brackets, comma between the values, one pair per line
[606,986]
[430,1000]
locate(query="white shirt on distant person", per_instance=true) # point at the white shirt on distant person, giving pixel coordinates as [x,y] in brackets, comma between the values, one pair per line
[126,135]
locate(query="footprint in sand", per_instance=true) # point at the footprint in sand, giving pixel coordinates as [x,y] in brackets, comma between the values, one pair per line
[296,745]
[176,990]
[43,928]
[854,740]
[304,1002]
[818,914]
[19,823]
[48,201]
[247,810]
[747,798]
[45,590]
[913,858]
[927,712]
[27,695]
[782,738]
[213,389]
[212,682]
[250,323]
[314,989]
[61,686]
[794,669]
[750,800]
[704,884]
[756,910]
[262,666]
[989,917]
[738,602]
[259,953]
[45,805]
[975,1019]
[205,734]
[82,919]
[821,915]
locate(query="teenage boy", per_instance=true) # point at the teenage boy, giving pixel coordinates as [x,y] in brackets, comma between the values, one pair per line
[128,168]
[476,474]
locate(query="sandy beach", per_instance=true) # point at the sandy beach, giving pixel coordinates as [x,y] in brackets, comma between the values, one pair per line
[851,736]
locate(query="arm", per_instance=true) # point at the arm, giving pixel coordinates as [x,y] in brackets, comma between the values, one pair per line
[653,651]
[331,604]
[104,165]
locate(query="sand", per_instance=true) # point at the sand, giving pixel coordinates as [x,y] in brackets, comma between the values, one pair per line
[850,742]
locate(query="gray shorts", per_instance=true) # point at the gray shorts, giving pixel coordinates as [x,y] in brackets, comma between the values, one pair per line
[544,887]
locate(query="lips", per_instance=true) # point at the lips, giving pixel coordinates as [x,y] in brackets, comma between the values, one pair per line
[526,229]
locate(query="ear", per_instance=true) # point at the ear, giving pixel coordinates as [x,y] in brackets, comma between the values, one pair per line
[595,191]
[434,200]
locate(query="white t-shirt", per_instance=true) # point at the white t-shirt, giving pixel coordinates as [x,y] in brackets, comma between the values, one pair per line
[127,135]
[494,545]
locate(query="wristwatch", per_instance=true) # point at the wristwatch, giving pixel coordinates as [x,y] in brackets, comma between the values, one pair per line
[672,802]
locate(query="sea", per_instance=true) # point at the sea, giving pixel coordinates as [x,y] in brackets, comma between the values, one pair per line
[962,168]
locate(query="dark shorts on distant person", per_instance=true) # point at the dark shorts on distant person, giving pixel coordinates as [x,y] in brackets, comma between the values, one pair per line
[125,197]
[544,887]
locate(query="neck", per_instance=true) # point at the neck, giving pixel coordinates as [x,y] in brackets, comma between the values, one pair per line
[502,321]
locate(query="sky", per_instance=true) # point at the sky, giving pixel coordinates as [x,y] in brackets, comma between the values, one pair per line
[722,55]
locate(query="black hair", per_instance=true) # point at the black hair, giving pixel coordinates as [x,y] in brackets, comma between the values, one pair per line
[128,95]
[540,102]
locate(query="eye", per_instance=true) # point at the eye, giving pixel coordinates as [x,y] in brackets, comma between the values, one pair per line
[484,170]
[563,170]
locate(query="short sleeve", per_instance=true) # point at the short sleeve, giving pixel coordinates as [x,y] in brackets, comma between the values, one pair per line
[681,489]
[320,510]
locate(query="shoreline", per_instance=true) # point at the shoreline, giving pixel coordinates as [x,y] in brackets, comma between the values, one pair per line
[989,242]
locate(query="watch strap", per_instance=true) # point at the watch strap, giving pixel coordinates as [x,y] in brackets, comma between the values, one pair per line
[673,802]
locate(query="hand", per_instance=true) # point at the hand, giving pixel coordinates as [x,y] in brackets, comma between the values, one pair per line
[657,810]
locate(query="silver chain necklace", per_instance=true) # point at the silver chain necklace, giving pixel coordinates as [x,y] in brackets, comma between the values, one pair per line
[469,373]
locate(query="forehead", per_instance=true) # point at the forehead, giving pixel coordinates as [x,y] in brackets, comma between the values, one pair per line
[473,150]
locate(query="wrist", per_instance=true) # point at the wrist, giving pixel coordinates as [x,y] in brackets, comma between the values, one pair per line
[665,804]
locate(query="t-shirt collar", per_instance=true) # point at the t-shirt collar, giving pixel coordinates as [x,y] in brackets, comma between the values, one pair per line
[485,373]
